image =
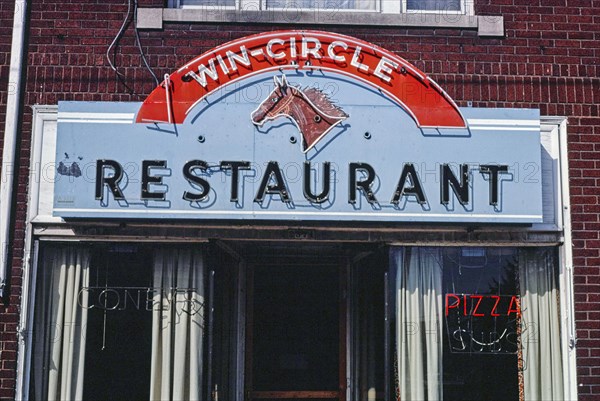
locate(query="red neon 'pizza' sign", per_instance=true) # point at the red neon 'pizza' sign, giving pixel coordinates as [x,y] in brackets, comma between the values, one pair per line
[278,51]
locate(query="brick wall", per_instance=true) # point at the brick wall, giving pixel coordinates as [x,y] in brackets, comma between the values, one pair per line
[550,59]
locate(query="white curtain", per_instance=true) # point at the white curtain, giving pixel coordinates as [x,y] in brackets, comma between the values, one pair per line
[419,322]
[177,325]
[294,4]
[323,4]
[542,357]
[61,320]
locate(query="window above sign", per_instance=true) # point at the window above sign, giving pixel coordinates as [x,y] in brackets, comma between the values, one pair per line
[385,6]
[446,14]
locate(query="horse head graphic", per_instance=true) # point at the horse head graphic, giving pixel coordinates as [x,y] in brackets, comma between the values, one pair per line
[310,109]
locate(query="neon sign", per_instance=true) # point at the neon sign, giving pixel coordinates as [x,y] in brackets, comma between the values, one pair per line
[483,305]
[482,323]
[339,129]
[281,51]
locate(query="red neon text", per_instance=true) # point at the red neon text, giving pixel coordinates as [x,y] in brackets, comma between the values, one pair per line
[483,305]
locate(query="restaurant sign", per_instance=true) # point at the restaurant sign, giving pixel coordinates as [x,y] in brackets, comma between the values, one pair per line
[298,125]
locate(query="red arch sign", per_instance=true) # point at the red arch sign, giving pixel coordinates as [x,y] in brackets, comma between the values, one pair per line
[409,87]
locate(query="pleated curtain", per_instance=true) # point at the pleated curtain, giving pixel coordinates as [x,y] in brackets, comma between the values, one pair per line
[419,322]
[323,4]
[294,4]
[540,339]
[60,323]
[177,325]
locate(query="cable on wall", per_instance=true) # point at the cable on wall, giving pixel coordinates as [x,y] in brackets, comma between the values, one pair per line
[120,76]
[139,44]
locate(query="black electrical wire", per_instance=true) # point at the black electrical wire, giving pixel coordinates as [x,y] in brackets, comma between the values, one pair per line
[121,30]
[120,76]
[139,44]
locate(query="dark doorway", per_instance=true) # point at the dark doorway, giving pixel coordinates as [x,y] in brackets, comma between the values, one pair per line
[294,332]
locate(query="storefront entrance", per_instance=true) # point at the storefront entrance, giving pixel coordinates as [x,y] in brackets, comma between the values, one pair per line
[297,320]
[295,341]
[271,321]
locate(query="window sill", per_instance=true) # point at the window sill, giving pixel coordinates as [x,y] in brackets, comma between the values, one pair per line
[154,18]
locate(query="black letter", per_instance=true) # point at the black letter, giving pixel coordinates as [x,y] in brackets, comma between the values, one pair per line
[147,179]
[416,188]
[277,188]
[460,189]
[194,179]
[365,186]
[235,168]
[111,182]
[324,195]
[493,170]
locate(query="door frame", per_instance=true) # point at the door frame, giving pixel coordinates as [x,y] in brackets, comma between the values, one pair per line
[341,395]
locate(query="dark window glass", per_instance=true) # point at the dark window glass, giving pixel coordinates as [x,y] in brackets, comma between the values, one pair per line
[118,341]
[481,309]
[208,3]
